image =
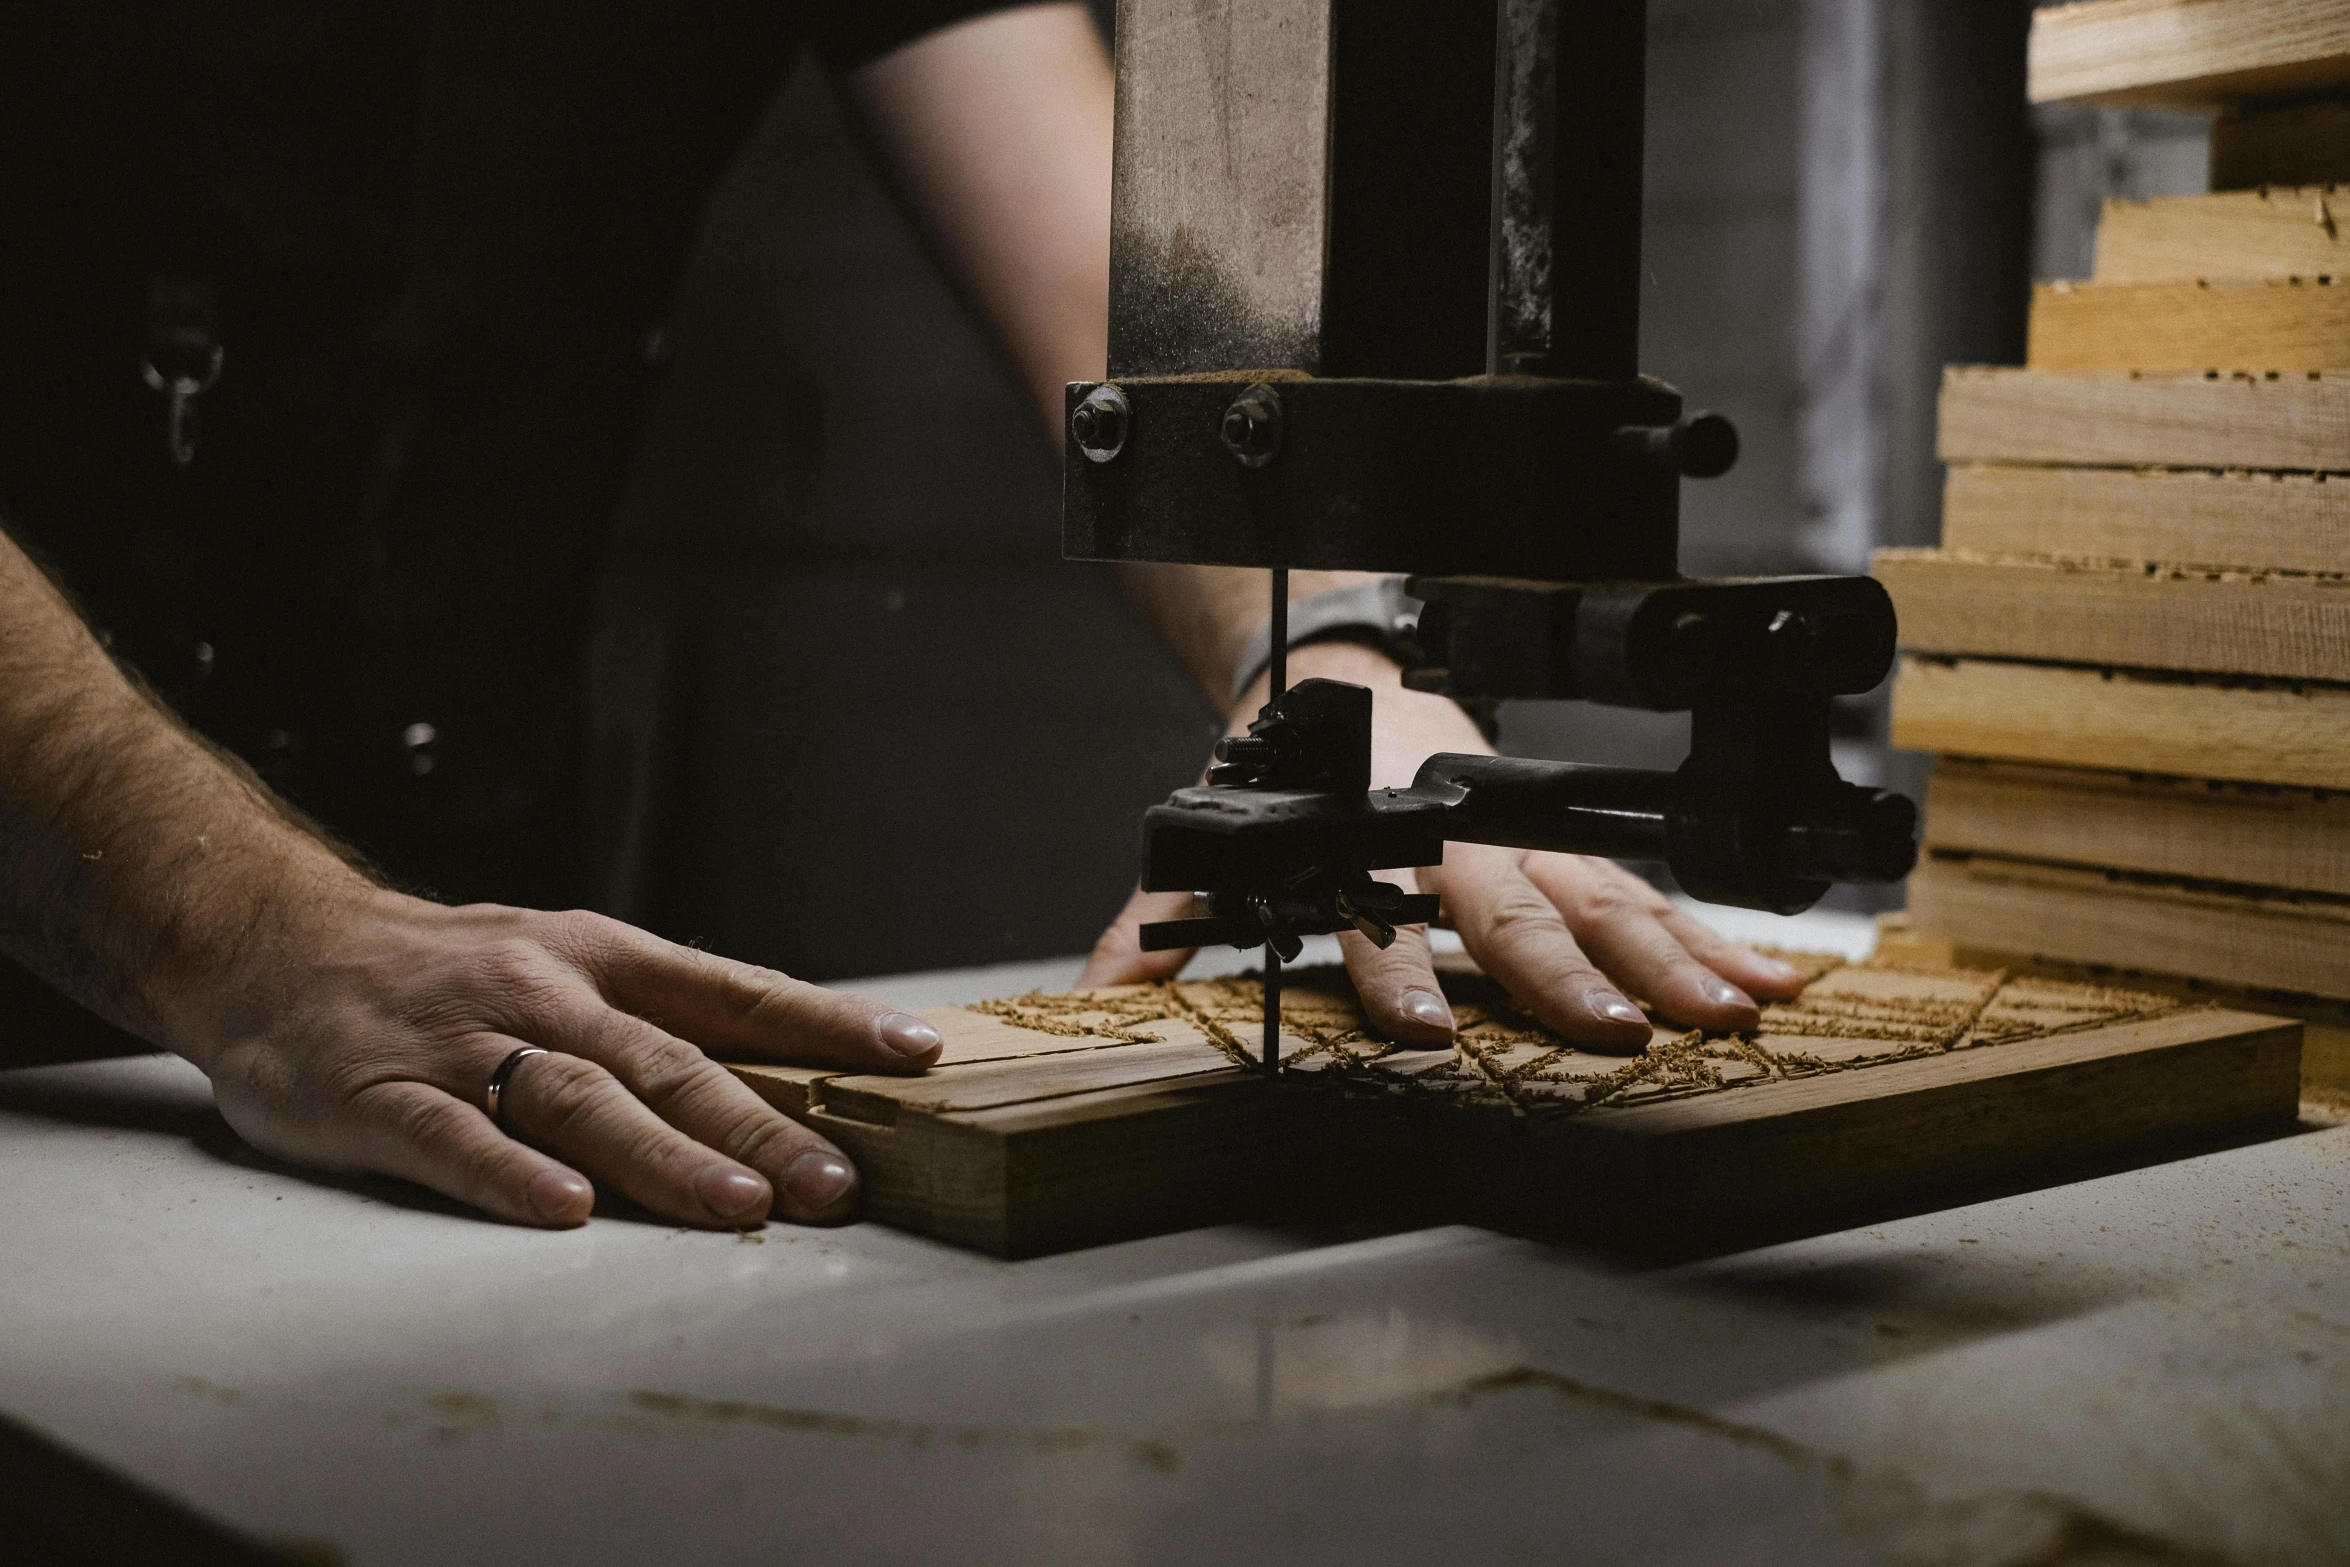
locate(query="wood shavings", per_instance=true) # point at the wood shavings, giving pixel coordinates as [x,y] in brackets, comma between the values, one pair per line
[1852,1017]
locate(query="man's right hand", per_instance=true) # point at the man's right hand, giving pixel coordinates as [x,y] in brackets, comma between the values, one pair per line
[367,1038]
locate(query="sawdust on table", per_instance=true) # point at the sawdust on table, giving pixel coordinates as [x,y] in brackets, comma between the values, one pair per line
[1852,1016]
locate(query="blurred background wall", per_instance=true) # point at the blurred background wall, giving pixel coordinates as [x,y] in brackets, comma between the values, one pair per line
[855,715]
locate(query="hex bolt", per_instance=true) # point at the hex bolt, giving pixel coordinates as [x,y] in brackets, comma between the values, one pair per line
[1252,426]
[1099,425]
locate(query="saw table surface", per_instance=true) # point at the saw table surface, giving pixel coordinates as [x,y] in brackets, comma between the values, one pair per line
[2147,1366]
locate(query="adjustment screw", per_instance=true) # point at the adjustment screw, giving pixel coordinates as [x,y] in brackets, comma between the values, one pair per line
[1705,446]
[1252,426]
[1100,423]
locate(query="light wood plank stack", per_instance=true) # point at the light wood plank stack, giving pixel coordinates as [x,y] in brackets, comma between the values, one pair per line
[1060,1121]
[2133,648]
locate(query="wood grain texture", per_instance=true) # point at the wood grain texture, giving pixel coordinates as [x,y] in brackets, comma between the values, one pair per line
[2250,731]
[2293,627]
[2280,324]
[2273,521]
[2325,1022]
[2091,917]
[2288,144]
[2245,421]
[2273,232]
[1929,1081]
[2188,54]
[2297,839]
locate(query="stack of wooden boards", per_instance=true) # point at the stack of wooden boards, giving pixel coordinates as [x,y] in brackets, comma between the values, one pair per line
[1060,1121]
[2133,649]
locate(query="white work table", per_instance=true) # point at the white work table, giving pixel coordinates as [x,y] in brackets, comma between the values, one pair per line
[2149,1366]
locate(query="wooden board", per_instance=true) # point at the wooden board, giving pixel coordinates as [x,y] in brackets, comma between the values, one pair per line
[2277,231]
[2245,421]
[2278,521]
[2297,839]
[2283,625]
[2280,324]
[2096,917]
[2248,730]
[2188,54]
[2325,1023]
[2289,144]
[1882,1086]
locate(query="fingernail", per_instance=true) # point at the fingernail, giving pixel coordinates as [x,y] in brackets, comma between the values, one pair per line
[1425,1006]
[729,1194]
[907,1034]
[1784,973]
[1613,1007]
[819,1180]
[1722,993]
[557,1195]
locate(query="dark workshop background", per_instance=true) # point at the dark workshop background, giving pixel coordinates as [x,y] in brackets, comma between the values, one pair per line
[854,715]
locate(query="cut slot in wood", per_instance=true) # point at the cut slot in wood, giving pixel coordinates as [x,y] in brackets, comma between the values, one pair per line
[2284,324]
[2248,730]
[1882,1090]
[2119,420]
[2290,144]
[2188,54]
[2151,617]
[2285,522]
[2087,916]
[2275,232]
[2264,834]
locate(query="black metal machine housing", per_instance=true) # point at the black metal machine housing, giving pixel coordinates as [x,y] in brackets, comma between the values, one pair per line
[1375,306]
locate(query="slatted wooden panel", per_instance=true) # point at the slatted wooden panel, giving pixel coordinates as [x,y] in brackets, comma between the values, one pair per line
[1055,1122]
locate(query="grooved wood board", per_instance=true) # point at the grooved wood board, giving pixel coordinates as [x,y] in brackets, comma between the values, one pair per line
[2297,839]
[1883,1089]
[2289,144]
[2151,617]
[2248,730]
[2325,1023]
[2188,54]
[2281,324]
[2198,421]
[2266,233]
[2088,916]
[2278,521]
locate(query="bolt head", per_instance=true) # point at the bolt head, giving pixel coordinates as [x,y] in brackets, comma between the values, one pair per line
[1099,425]
[1252,426]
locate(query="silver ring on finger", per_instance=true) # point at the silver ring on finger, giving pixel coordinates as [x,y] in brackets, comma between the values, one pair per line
[496,1096]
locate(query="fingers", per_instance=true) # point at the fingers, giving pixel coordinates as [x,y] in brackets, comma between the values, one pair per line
[417,1132]
[1519,937]
[1617,924]
[1118,958]
[1397,986]
[811,1181]
[576,1110]
[740,1008]
[1767,979]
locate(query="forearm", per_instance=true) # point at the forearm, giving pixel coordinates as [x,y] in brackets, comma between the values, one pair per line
[135,864]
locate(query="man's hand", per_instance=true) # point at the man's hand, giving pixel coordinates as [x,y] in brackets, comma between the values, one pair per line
[347,1026]
[1562,932]
[366,1039]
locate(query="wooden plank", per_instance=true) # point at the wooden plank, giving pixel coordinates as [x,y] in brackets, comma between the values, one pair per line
[2246,421]
[2325,1023]
[2276,231]
[2188,54]
[2279,324]
[2287,626]
[1512,1127]
[2296,839]
[2246,730]
[2279,521]
[2093,917]
[2288,144]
